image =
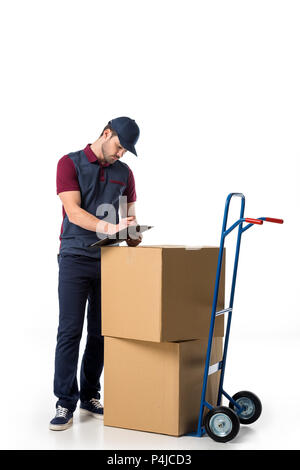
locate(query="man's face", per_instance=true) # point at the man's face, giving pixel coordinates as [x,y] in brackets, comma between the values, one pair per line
[112,150]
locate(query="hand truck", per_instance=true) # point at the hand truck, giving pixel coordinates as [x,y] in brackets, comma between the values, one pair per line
[222,423]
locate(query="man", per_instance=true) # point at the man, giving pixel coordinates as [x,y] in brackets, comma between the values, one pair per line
[89,184]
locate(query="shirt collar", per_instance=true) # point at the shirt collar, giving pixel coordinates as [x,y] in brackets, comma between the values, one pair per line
[91,156]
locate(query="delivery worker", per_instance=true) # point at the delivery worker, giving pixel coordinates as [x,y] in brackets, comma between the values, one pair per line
[90,183]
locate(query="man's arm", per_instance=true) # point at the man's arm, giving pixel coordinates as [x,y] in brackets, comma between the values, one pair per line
[129,210]
[71,201]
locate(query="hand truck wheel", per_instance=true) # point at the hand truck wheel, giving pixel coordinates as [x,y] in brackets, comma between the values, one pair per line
[251,405]
[221,424]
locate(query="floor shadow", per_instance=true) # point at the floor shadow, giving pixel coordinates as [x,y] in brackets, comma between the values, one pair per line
[244,434]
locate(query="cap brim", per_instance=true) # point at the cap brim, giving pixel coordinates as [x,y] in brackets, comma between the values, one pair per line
[127,146]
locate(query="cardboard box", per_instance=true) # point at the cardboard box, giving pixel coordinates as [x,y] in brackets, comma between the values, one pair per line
[156,387]
[160,293]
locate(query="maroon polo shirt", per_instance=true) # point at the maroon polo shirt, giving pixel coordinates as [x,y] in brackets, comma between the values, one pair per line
[66,177]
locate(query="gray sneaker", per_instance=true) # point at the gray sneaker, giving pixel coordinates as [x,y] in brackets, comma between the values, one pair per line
[92,407]
[62,420]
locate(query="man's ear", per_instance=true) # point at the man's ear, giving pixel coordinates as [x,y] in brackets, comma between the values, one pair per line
[107,134]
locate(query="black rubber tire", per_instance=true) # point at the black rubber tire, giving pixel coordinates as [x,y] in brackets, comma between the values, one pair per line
[229,416]
[256,404]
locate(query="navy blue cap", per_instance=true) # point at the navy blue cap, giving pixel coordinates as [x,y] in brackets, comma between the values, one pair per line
[128,132]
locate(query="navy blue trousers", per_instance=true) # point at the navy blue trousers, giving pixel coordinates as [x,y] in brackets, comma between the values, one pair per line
[79,284]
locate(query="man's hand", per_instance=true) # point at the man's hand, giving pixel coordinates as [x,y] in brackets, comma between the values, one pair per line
[129,210]
[132,242]
[134,237]
[111,229]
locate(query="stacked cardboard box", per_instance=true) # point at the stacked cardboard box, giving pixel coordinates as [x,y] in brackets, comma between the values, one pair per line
[156,309]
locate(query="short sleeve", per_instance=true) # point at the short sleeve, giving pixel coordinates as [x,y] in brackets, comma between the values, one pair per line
[130,189]
[66,176]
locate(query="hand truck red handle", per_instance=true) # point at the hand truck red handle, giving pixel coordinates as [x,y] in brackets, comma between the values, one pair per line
[264,219]
[275,221]
[254,221]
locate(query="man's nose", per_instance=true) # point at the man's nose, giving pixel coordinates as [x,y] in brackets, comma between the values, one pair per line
[120,153]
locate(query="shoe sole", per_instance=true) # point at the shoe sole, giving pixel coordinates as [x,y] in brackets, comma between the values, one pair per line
[87,412]
[61,427]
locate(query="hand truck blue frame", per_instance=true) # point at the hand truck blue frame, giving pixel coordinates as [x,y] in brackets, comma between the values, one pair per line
[223,423]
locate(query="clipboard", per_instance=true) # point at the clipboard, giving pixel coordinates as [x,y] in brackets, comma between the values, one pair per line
[119,237]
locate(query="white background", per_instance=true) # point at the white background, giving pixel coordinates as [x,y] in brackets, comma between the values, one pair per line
[214,87]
